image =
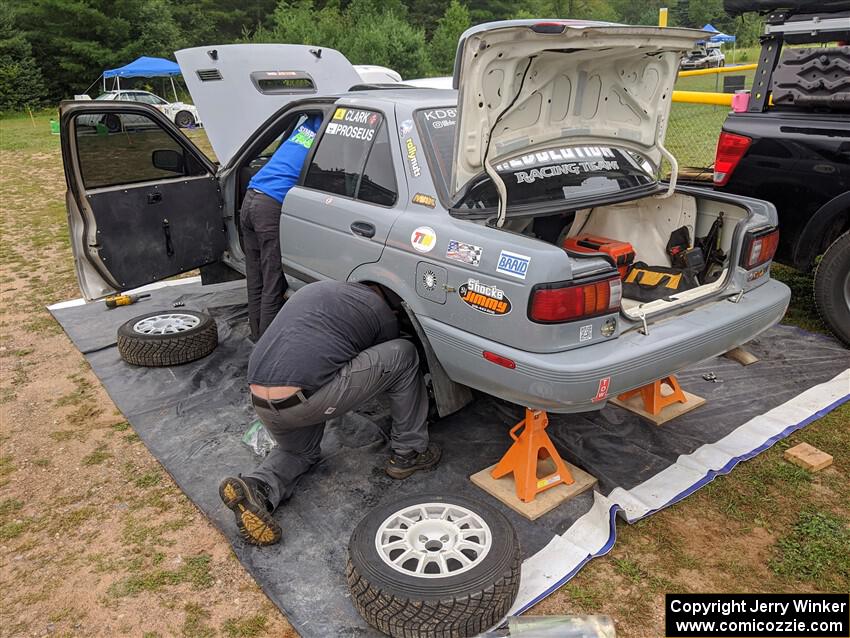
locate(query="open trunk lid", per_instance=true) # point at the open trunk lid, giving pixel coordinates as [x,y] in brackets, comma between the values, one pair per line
[528,85]
[237,87]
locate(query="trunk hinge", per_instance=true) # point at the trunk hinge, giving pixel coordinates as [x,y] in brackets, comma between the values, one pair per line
[674,171]
[501,189]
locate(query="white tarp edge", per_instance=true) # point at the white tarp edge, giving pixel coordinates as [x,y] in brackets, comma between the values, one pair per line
[594,533]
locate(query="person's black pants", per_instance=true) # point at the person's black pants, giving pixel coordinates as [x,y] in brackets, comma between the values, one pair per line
[391,367]
[260,222]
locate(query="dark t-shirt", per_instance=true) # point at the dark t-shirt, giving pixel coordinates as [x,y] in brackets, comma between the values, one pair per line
[323,326]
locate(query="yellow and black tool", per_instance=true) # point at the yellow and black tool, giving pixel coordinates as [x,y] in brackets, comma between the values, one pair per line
[114,301]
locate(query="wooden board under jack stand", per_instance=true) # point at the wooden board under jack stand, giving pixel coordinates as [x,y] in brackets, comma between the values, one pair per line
[668,413]
[504,489]
[744,357]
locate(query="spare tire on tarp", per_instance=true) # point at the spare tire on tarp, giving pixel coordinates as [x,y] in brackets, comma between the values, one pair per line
[430,566]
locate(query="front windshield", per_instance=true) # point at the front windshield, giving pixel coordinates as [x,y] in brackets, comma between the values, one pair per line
[105,96]
[559,173]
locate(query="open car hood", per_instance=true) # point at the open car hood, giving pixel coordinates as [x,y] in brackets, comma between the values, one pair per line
[237,87]
[528,85]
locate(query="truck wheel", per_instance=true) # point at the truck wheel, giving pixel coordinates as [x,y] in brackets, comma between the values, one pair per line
[167,338]
[832,288]
[184,119]
[430,566]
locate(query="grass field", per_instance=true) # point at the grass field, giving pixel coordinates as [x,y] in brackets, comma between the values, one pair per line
[97,540]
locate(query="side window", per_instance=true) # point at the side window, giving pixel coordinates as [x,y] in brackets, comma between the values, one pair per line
[127,148]
[378,182]
[342,151]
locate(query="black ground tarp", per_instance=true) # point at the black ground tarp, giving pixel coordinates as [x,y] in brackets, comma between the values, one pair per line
[192,418]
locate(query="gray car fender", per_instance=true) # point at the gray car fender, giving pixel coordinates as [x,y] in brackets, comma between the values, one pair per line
[449,395]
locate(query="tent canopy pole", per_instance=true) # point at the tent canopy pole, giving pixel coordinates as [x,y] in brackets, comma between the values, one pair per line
[173,88]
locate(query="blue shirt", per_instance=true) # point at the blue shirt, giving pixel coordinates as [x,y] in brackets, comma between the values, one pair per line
[283,168]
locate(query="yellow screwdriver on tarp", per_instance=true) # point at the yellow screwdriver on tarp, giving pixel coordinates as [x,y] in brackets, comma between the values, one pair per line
[114,301]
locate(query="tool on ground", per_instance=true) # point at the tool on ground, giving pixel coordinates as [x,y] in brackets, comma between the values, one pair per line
[621,252]
[114,301]
[529,447]
[654,399]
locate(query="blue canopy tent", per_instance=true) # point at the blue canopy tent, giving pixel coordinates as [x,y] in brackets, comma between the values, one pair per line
[144,67]
[719,37]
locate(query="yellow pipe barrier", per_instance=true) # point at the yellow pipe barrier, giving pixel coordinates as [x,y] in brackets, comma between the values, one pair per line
[719,69]
[703,97]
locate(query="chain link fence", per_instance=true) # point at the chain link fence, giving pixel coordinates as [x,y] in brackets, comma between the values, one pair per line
[694,128]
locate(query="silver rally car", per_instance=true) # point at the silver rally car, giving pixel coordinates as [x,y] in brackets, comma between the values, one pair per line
[457,202]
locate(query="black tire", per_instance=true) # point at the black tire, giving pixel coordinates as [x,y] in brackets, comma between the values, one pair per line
[404,605]
[184,119]
[155,350]
[832,288]
[112,122]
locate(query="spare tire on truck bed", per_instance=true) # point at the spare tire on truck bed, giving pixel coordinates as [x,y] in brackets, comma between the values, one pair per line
[167,338]
[433,566]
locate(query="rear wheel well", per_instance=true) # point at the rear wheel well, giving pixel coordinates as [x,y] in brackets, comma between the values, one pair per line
[447,395]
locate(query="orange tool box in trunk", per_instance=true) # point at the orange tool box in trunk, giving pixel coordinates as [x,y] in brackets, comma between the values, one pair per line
[620,251]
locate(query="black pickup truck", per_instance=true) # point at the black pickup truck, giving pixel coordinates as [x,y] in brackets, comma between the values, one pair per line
[792,147]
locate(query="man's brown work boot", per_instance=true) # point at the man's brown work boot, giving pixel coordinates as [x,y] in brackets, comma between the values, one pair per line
[247,498]
[400,467]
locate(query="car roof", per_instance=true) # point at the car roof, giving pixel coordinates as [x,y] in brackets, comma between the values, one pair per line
[413,98]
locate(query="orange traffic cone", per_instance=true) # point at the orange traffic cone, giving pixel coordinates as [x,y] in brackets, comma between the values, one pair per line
[532,445]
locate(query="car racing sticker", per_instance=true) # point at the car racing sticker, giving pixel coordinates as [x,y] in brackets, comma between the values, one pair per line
[424,200]
[585,333]
[354,123]
[423,239]
[405,127]
[513,264]
[483,298]
[429,280]
[441,118]
[574,160]
[602,392]
[464,253]
[412,159]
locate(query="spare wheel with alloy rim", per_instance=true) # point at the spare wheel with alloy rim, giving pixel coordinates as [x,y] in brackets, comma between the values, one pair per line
[167,338]
[433,566]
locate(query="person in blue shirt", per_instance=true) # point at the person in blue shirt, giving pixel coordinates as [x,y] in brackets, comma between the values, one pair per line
[260,223]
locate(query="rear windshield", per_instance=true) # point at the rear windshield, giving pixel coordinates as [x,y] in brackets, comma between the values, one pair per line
[554,174]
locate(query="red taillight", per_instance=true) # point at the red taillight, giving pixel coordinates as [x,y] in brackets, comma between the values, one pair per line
[759,248]
[730,150]
[499,360]
[556,303]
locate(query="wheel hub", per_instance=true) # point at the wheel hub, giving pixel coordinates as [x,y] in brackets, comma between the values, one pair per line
[166,324]
[433,540]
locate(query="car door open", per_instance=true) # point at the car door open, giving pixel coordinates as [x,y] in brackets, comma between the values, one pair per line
[143,202]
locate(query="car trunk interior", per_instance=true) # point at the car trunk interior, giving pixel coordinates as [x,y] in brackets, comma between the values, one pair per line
[646,224]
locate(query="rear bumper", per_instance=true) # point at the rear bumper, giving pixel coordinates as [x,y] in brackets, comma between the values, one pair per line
[569,381]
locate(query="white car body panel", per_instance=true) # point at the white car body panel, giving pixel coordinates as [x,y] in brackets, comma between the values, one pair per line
[225,85]
[592,83]
[373,74]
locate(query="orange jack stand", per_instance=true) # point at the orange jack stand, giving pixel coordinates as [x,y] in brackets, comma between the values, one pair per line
[530,446]
[653,399]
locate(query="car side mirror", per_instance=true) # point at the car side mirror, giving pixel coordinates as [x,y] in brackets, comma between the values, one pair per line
[167,159]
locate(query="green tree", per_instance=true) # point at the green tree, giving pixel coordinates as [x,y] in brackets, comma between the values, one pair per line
[443,45]
[21,84]
[386,39]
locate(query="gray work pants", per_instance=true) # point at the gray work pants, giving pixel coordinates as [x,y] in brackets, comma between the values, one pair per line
[391,367]
[259,218]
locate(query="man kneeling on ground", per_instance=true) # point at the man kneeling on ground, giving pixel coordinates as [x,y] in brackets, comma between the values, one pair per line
[332,347]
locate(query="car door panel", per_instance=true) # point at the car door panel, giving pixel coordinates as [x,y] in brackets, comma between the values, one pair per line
[145,233]
[143,202]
